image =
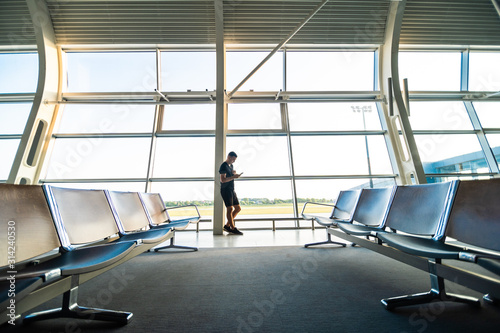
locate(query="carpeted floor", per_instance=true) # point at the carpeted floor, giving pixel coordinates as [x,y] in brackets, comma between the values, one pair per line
[267,289]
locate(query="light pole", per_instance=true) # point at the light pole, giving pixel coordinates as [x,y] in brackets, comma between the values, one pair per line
[362,110]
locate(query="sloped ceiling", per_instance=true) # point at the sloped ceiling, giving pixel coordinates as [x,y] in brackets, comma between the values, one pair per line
[162,22]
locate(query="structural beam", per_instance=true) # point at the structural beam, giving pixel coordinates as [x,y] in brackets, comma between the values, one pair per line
[36,137]
[404,150]
[220,116]
[496,5]
[279,46]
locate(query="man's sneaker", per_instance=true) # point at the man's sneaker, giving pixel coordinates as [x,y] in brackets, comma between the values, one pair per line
[236,231]
[228,229]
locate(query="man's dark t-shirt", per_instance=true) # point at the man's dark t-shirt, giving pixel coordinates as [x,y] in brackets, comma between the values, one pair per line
[228,170]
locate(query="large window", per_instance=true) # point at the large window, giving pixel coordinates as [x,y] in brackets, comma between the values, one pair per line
[484,71]
[106,118]
[290,150]
[182,71]
[445,138]
[19,75]
[111,71]
[448,134]
[254,116]
[184,157]
[330,71]
[99,158]
[333,117]
[188,117]
[268,78]
[428,71]
[19,72]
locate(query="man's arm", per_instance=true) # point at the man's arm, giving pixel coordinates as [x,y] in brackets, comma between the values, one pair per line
[225,179]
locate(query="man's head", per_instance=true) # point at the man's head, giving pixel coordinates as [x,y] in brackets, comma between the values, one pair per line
[231,157]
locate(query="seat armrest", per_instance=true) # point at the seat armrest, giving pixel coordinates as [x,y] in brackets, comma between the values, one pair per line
[184,206]
[314,203]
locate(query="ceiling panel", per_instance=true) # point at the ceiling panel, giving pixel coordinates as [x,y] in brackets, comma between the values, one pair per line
[163,22]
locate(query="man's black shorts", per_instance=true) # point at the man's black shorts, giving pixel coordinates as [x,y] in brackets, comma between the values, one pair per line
[229,197]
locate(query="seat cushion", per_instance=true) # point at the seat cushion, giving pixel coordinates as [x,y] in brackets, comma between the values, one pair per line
[151,236]
[357,229]
[424,247]
[83,260]
[325,221]
[174,225]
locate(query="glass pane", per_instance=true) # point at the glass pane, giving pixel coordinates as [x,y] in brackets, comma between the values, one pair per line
[181,71]
[330,71]
[488,113]
[189,117]
[264,198]
[254,116]
[268,78]
[200,194]
[111,71]
[327,191]
[19,72]
[494,141]
[439,116]
[329,155]
[333,117]
[450,153]
[380,163]
[429,71]
[457,177]
[260,155]
[13,117]
[484,72]
[8,150]
[114,186]
[184,157]
[109,118]
[98,158]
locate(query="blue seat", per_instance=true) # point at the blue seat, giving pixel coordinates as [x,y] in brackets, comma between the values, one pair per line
[473,224]
[159,218]
[415,209]
[132,219]
[42,261]
[342,211]
[418,213]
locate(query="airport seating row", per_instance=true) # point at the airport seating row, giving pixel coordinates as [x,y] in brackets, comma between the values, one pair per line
[432,227]
[54,239]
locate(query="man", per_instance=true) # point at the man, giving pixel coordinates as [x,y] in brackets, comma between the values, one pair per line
[227,177]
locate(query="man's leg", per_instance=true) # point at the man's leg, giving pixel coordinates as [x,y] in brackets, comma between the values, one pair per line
[236,210]
[229,215]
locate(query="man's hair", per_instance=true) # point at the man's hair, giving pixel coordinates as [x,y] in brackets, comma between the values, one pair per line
[232,154]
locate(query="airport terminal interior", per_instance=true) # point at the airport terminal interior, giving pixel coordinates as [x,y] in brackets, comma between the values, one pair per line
[317,98]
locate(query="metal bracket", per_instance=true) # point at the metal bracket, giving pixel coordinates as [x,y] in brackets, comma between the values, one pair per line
[162,95]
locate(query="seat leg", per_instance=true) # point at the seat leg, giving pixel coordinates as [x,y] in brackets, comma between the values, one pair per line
[437,293]
[328,241]
[70,309]
[491,299]
[172,245]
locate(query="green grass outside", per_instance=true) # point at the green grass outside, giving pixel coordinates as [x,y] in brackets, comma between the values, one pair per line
[256,210]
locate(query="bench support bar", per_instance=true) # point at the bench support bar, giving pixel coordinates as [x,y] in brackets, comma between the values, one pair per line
[172,245]
[70,309]
[437,293]
[328,241]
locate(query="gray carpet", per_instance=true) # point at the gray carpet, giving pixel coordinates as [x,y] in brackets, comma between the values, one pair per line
[267,289]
